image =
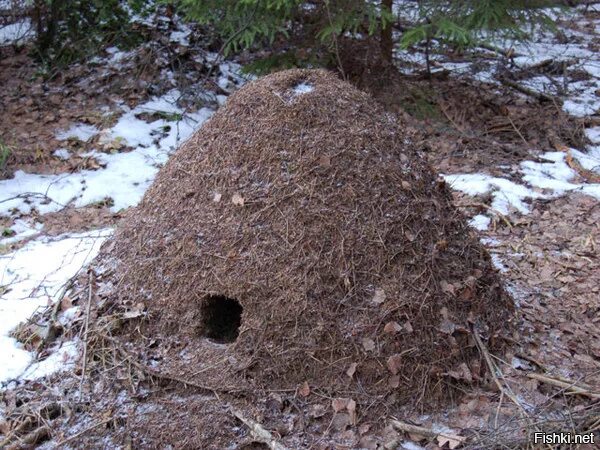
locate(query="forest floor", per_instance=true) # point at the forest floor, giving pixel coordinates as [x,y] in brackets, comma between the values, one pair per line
[517,137]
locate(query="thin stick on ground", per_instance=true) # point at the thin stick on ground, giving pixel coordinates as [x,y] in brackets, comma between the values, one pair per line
[427,432]
[85,332]
[569,387]
[258,431]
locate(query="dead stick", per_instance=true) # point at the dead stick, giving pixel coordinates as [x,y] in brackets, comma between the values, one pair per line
[493,371]
[427,432]
[258,431]
[85,333]
[525,90]
[569,386]
[31,439]
[87,430]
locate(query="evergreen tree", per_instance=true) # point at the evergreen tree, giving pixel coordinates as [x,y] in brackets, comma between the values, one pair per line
[458,23]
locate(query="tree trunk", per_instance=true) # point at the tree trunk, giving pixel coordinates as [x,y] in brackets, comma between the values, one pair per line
[386,42]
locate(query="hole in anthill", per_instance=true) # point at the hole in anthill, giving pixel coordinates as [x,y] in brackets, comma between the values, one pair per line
[221,318]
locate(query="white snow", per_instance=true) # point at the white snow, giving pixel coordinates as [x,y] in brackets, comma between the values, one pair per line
[32,278]
[505,193]
[498,263]
[22,229]
[81,131]
[125,176]
[61,359]
[593,134]
[62,153]
[410,445]
[303,88]
[541,180]
[480,222]
[16,32]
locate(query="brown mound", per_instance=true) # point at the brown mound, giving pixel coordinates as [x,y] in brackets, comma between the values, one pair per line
[299,237]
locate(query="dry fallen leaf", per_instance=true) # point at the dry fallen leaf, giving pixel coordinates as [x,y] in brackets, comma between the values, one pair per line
[368,344]
[379,296]
[392,328]
[452,440]
[447,287]
[394,381]
[351,407]
[351,369]
[394,363]
[339,404]
[304,389]
[408,327]
[237,200]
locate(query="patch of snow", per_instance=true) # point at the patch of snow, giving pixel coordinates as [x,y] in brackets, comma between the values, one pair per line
[22,229]
[497,263]
[33,278]
[505,193]
[490,242]
[81,131]
[125,176]
[410,445]
[303,88]
[62,153]
[544,180]
[480,222]
[181,37]
[16,32]
[61,359]
[593,134]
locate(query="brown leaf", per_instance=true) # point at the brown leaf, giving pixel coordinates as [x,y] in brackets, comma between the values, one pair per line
[339,404]
[392,328]
[237,200]
[394,381]
[379,296]
[66,303]
[452,441]
[447,326]
[462,373]
[447,287]
[304,389]
[351,407]
[316,411]
[325,161]
[351,369]
[394,363]
[408,327]
[368,344]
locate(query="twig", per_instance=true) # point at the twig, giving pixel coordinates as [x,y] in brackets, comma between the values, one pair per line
[82,432]
[427,432]
[85,332]
[494,371]
[258,431]
[525,90]
[31,439]
[569,386]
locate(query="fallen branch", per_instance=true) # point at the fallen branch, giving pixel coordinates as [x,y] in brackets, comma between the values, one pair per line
[453,440]
[82,432]
[568,386]
[258,431]
[31,439]
[525,90]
